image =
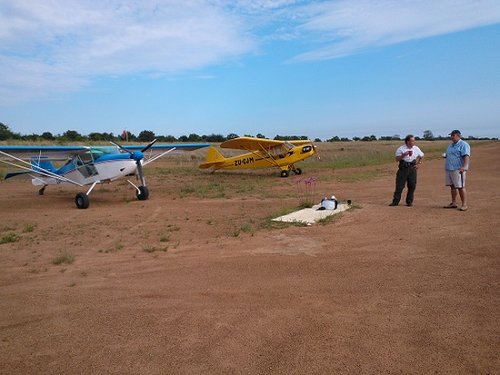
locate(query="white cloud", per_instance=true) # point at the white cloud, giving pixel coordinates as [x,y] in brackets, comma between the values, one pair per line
[60,45]
[346,27]
[57,46]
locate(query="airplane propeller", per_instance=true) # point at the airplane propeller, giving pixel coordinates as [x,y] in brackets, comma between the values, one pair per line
[136,155]
[142,191]
[148,146]
[317,152]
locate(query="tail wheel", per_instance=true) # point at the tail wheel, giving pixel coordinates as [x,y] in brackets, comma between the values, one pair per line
[297,171]
[82,201]
[143,193]
[284,173]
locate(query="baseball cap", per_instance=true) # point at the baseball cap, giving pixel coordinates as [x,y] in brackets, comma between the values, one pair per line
[453,132]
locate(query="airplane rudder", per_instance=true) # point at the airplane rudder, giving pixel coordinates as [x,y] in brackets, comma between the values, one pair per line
[214,155]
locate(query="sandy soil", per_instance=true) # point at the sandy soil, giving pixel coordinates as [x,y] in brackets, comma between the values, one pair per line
[171,285]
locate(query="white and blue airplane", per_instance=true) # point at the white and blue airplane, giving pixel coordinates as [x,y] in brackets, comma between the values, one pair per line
[86,165]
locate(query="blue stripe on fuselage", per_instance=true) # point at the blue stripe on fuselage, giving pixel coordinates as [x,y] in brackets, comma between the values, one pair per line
[111,157]
[70,166]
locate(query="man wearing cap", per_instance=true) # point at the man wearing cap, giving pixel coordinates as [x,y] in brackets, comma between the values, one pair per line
[409,157]
[456,165]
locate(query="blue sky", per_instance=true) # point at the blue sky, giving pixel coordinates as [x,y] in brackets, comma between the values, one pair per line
[314,68]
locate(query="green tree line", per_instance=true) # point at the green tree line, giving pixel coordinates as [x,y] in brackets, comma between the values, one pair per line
[147,136]
[144,136]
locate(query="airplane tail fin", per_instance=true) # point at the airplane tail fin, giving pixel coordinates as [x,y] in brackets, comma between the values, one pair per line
[15,174]
[37,165]
[214,158]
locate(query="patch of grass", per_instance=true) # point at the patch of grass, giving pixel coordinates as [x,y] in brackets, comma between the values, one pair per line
[204,189]
[187,189]
[28,228]
[334,218]
[282,211]
[329,219]
[268,222]
[153,249]
[64,257]
[165,238]
[246,227]
[118,246]
[305,205]
[300,224]
[340,155]
[9,238]
[234,233]
[355,206]
[7,229]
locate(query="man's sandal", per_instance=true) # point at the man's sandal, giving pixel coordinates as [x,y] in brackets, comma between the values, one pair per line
[451,205]
[463,208]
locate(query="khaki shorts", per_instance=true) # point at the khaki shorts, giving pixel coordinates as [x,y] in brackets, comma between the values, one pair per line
[455,179]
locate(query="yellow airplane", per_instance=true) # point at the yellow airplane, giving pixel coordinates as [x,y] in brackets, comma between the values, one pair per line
[262,153]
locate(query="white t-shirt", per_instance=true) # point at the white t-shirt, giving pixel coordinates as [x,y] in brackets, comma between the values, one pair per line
[416,152]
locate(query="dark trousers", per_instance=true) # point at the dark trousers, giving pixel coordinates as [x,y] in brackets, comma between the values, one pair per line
[406,175]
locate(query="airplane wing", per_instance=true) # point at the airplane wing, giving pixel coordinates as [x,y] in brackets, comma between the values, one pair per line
[258,144]
[47,152]
[251,144]
[155,152]
[36,160]
[301,142]
[180,147]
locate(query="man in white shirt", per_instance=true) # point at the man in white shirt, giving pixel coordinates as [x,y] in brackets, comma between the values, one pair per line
[409,157]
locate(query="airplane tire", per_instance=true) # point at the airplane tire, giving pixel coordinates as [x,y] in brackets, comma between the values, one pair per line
[298,171]
[143,193]
[284,173]
[82,201]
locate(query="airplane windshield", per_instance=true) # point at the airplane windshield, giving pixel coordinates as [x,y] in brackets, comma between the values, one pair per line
[84,164]
[102,150]
[86,157]
[280,150]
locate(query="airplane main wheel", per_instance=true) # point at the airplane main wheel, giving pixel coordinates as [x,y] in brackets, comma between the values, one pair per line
[82,201]
[284,173]
[298,171]
[143,193]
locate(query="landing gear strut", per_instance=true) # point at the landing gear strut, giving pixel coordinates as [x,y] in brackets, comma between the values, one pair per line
[286,172]
[42,190]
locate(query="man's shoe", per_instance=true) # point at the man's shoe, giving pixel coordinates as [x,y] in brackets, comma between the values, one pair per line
[409,204]
[393,204]
[463,208]
[451,205]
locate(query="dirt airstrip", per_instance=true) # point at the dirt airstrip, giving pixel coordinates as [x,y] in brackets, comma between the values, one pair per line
[186,284]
